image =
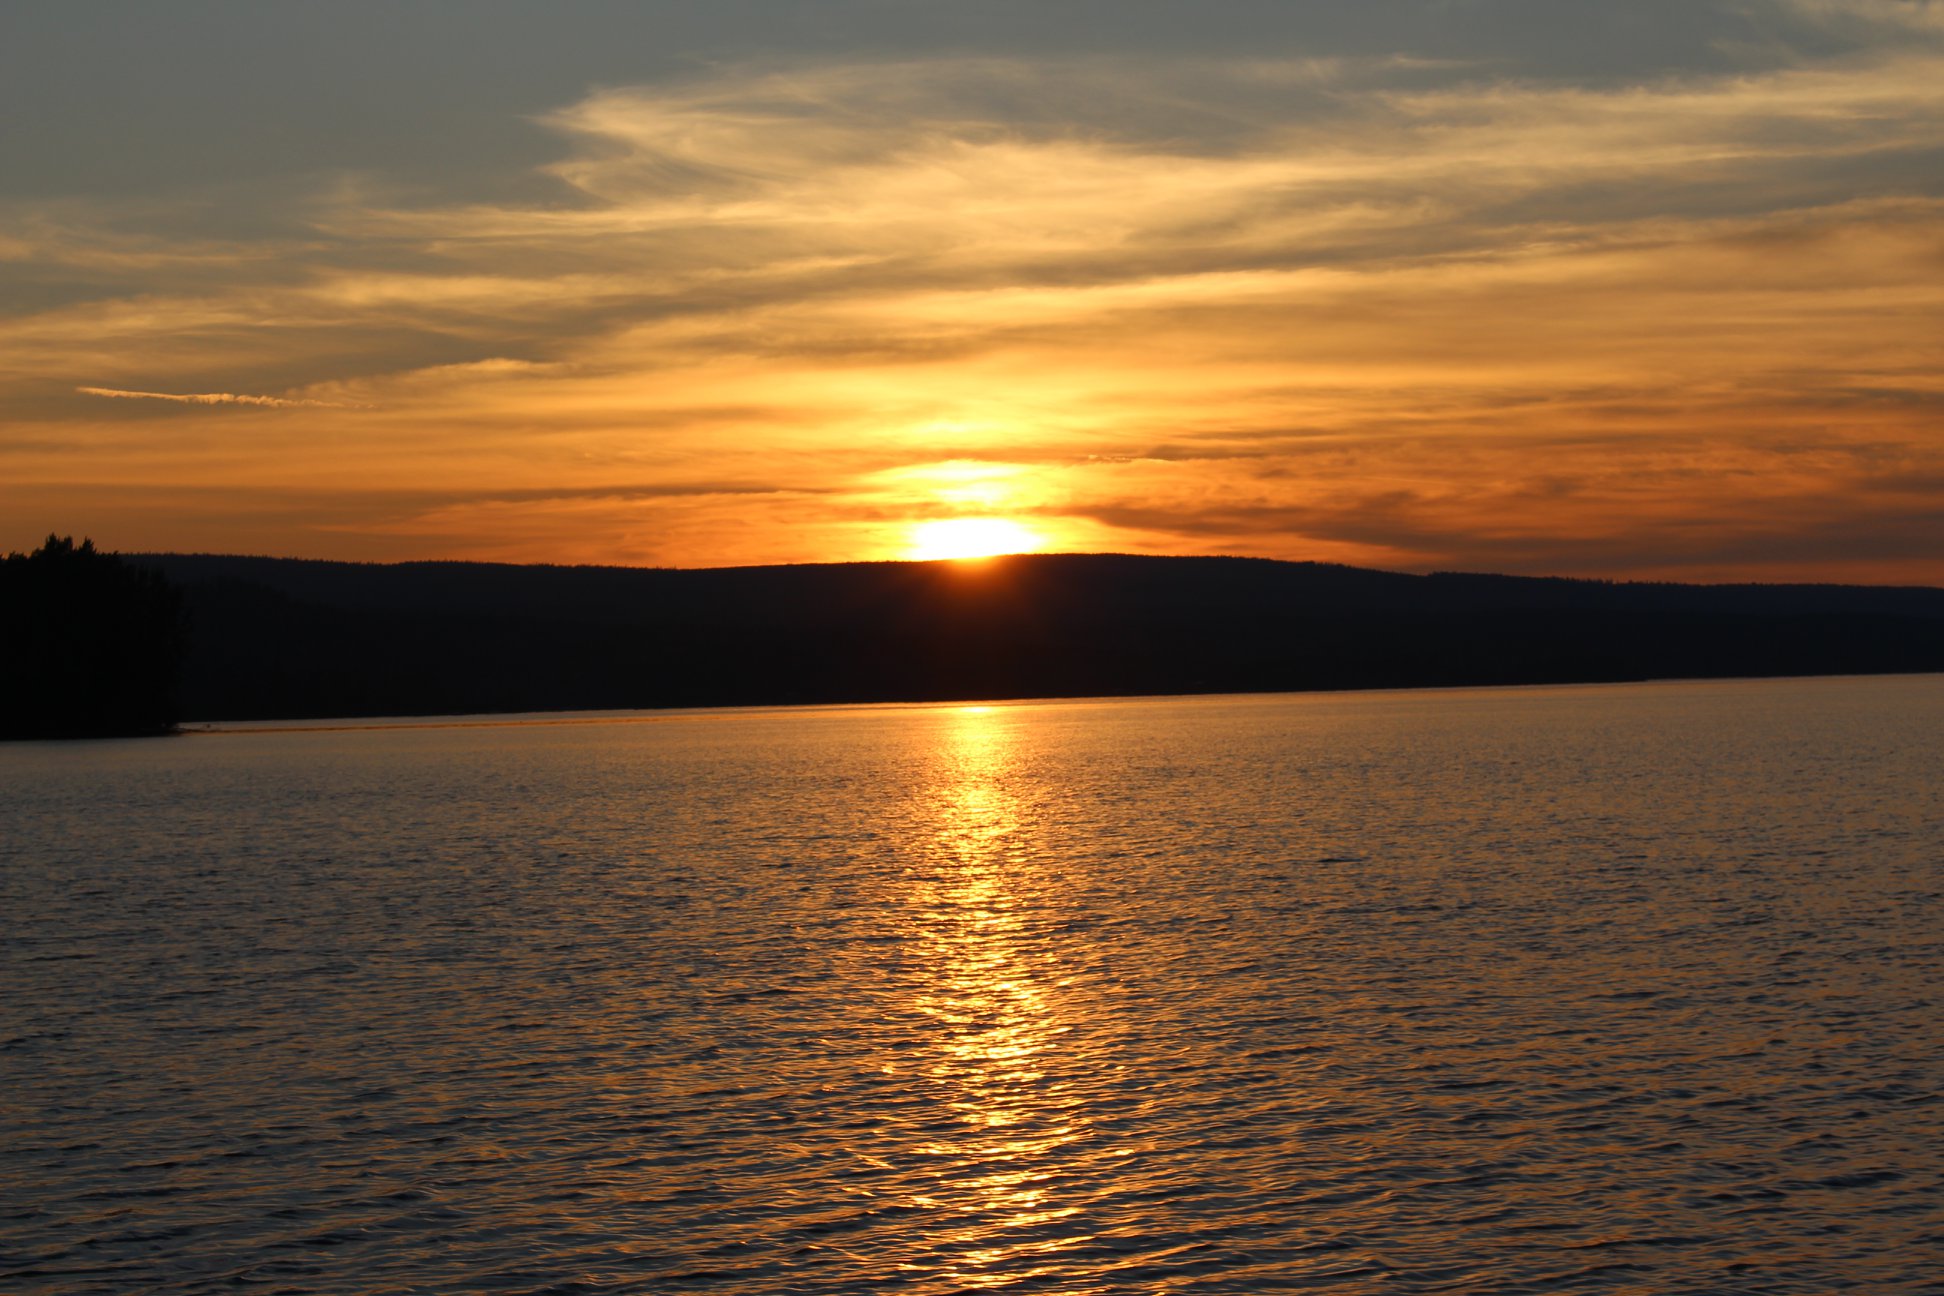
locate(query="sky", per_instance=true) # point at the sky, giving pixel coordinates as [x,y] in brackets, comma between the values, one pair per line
[1650,290]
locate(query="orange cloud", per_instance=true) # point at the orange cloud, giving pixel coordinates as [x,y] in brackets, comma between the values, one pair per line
[1684,326]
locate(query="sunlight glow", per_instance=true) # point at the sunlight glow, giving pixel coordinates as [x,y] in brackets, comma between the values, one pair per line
[970,538]
[848,309]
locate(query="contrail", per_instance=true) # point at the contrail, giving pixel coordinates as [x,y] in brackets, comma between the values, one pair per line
[209,398]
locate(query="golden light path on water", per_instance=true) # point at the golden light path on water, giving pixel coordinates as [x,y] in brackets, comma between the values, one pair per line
[1527,991]
[996,1014]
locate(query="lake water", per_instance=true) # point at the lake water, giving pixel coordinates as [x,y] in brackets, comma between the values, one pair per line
[1628,988]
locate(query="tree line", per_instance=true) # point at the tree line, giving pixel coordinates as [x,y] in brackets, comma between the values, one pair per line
[90,646]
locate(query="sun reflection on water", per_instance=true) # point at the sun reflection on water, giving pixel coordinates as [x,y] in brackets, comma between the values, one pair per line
[994,1008]
[1194,995]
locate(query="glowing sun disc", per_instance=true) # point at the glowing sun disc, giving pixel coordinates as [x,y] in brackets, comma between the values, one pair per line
[970,538]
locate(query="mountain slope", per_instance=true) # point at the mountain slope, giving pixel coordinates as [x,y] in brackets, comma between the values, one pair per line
[279,638]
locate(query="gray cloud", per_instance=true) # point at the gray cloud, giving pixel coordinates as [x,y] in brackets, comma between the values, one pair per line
[1799,533]
[126,96]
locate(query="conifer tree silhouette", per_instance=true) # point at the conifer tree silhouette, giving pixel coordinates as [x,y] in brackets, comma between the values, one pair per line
[90,646]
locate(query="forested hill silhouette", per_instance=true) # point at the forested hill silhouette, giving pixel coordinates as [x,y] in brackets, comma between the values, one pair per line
[288,638]
[89,645]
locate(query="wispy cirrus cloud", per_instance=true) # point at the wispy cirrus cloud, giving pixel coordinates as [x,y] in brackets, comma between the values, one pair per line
[213,398]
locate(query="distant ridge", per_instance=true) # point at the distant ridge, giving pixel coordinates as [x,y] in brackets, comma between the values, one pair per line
[292,638]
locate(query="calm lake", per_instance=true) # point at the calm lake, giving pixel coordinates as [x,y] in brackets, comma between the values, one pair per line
[1630,988]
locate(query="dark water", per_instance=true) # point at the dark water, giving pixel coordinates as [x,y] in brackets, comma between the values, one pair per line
[1620,989]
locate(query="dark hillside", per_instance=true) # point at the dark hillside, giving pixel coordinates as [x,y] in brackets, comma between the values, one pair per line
[276,638]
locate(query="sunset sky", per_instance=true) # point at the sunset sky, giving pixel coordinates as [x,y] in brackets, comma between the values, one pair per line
[1643,289]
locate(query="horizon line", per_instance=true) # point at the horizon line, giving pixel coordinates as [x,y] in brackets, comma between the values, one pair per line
[986,560]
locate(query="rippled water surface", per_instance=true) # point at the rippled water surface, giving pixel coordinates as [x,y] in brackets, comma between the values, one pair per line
[1621,989]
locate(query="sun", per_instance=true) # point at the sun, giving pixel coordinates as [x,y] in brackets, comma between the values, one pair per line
[970,537]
